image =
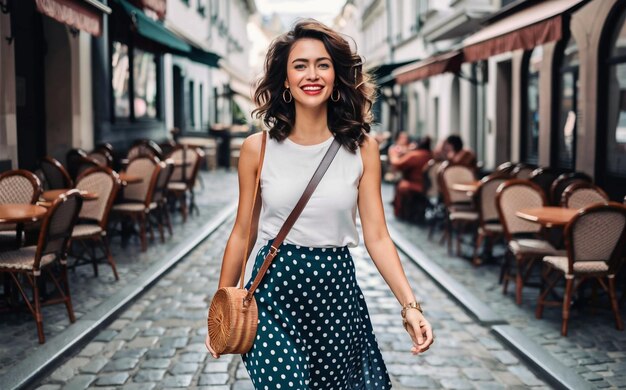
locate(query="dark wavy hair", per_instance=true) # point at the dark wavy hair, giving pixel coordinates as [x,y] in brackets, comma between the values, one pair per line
[349,118]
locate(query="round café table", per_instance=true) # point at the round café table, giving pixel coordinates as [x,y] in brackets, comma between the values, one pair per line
[20,212]
[548,216]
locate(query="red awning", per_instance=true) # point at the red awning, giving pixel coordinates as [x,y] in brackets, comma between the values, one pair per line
[533,26]
[442,63]
[80,14]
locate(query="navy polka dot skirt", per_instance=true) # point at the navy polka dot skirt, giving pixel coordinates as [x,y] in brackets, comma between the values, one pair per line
[314,329]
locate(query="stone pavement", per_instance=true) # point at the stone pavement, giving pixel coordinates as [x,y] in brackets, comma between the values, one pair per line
[158,342]
[18,333]
[593,347]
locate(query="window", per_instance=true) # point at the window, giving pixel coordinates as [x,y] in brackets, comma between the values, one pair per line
[615,149]
[201,105]
[565,135]
[145,84]
[530,125]
[134,78]
[201,7]
[120,79]
[192,103]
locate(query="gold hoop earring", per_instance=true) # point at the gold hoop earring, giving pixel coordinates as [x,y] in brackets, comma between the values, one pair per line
[290,96]
[332,97]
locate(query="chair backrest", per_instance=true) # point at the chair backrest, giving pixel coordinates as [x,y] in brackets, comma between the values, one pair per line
[103,182]
[512,196]
[86,163]
[597,233]
[55,173]
[430,174]
[582,194]
[450,174]
[102,156]
[192,159]
[544,177]
[142,167]
[144,148]
[485,198]
[505,168]
[105,146]
[165,173]
[57,226]
[72,161]
[522,171]
[19,186]
[560,184]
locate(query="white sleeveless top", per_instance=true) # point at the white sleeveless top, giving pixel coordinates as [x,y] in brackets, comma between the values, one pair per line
[329,218]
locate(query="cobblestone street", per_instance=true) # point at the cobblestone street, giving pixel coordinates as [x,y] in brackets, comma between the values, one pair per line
[158,342]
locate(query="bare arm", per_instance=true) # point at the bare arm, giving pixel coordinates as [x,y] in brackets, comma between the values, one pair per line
[380,246]
[235,246]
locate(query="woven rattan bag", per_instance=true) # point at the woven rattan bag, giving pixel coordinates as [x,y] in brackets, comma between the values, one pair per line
[233,314]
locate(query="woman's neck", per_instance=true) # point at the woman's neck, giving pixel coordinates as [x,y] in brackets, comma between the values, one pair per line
[311,125]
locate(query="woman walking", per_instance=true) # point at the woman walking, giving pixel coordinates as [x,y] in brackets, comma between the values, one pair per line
[314,330]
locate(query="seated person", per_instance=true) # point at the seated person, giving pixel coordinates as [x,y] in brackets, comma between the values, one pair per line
[411,165]
[454,152]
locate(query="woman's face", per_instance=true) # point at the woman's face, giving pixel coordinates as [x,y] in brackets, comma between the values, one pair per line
[310,73]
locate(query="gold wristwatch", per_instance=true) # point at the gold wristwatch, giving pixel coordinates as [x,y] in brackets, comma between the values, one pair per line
[411,305]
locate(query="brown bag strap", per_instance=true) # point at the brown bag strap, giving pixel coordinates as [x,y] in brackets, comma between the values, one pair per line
[295,213]
[256,211]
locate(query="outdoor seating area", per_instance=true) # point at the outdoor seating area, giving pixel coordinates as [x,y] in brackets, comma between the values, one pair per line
[554,230]
[63,216]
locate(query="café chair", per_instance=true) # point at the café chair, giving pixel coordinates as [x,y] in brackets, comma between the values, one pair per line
[489,226]
[544,177]
[17,186]
[161,214]
[144,148]
[184,177]
[594,239]
[460,211]
[33,262]
[525,244]
[505,168]
[137,202]
[582,194]
[91,231]
[562,181]
[55,174]
[85,163]
[103,157]
[73,160]
[434,207]
[522,171]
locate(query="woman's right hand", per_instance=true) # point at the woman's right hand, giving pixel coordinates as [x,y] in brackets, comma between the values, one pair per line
[207,342]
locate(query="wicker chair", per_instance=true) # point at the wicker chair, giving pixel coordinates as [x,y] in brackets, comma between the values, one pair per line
[523,171]
[525,245]
[459,206]
[184,177]
[144,148]
[489,226]
[595,240]
[55,174]
[73,160]
[103,157]
[582,194]
[17,186]
[90,232]
[505,168]
[560,184]
[137,202]
[51,250]
[161,213]
[544,177]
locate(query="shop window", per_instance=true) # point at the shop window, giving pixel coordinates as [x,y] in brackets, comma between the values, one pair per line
[565,134]
[616,103]
[530,125]
[134,78]
[120,79]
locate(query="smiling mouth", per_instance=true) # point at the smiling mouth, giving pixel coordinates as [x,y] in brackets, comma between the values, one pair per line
[312,89]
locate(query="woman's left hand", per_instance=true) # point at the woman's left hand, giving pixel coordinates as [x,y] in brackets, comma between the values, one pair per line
[420,331]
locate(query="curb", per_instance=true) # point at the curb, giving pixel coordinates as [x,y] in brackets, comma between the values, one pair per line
[537,357]
[85,328]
